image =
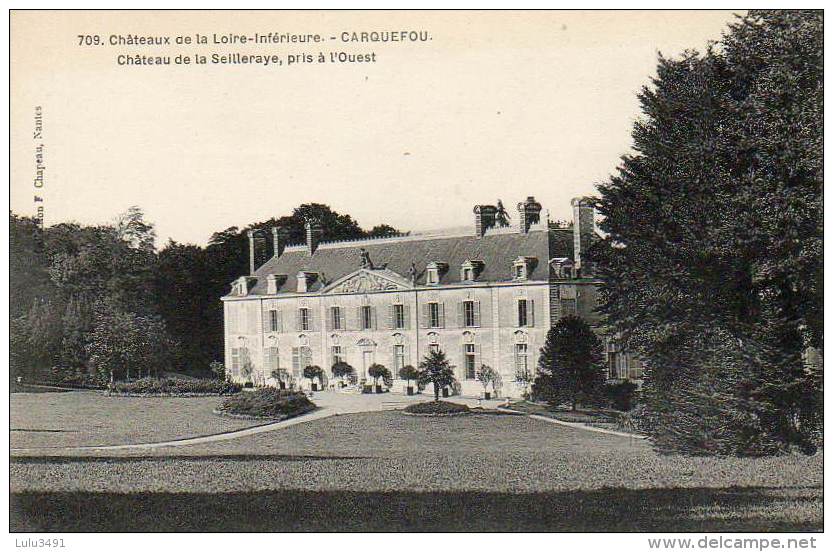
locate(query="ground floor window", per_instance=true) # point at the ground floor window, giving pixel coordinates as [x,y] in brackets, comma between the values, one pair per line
[470,361]
[434,348]
[301,358]
[271,359]
[521,358]
[235,361]
[336,353]
[398,359]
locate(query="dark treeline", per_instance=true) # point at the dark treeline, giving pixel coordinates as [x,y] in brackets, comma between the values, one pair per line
[88,303]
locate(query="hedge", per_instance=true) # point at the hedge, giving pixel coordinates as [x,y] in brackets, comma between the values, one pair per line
[267,402]
[436,408]
[171,386]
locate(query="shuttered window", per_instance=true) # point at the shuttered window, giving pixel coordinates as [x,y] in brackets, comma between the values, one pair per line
[271,359]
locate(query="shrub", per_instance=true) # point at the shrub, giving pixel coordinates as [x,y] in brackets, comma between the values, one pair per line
[409,374]
[377,371]
[621,395]
[218,369]
[268,403]
[436,407]
[341,370]
[313,372]
[171,386]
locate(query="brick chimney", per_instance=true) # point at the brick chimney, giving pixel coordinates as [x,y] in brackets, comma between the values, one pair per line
[529,213]
[484,218]
[583,227]
[277,242]
[314,232]
[251,234]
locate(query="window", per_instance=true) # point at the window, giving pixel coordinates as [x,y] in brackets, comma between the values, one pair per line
[301,358]
[433,276]
[469,318]
[336,354]
[468,274]
[523,313]
[273,320]
[367,317]
[398,359]
[235,361]
[303,319]
[271,359]
[568,307]
[470,360]
[434,348]
[399,317]
[335,318]
[521,359]
[434,319]
[519,272]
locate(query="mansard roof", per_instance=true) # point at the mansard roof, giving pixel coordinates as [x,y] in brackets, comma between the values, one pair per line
[497,250]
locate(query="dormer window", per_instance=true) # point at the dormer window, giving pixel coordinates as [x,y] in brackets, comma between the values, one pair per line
[434,271]
[470,270]
[240,286]
[273,283]
[562,267]
[305,280]
[522,266]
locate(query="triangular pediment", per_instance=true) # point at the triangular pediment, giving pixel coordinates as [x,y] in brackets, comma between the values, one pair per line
[367,281]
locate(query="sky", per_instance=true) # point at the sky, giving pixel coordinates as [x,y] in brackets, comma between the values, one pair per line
[496,105]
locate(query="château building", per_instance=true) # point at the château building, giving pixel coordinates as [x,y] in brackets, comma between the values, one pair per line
[484,295]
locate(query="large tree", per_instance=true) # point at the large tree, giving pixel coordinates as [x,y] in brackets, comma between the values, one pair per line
[570,364]
[714,233]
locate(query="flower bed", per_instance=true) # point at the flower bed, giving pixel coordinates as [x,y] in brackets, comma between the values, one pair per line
[436,408]
[169,387]
[266,403]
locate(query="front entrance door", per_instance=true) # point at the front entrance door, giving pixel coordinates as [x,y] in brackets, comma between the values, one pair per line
[367,360]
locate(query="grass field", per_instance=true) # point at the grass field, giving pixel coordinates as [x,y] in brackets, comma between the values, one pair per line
[385,471]
[83,418]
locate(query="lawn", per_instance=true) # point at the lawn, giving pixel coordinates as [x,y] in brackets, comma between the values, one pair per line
[385,471]
[82,418]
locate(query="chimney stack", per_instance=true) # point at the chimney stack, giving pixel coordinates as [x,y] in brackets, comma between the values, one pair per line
[313,228]
[529,213]
[485,217]
[583,226]
[251,234]
[277,243]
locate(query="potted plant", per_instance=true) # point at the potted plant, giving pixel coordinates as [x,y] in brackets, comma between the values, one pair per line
[365,387]
[409,374]
[342,370]
[312,373]
[377,371]
[486,376]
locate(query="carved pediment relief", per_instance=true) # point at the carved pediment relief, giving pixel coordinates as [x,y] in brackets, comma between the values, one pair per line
[366,281]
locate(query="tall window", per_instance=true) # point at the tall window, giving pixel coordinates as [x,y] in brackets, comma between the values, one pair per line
[521,358]
[301,358]
[399,317]
[398,359]
[335,317]
[336,353]
[433,315]
[468,314]
[568,307]
[434,348]
[367,318]
[470,359]
[523,313]
[272,359]
[303,319]
[235,361]
[273,320]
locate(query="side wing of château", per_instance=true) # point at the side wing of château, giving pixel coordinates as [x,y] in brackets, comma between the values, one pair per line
[483,296]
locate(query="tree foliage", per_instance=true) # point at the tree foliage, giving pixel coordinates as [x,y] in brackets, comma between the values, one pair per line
[436,369]
[570,364]
[714,237]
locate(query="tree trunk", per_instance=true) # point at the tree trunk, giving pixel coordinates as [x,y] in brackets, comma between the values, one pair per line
[436,392]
